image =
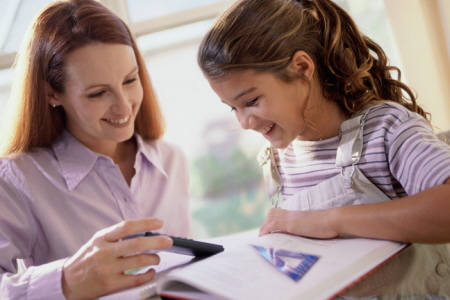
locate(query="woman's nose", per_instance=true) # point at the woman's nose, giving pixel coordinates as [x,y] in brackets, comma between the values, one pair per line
[121,103]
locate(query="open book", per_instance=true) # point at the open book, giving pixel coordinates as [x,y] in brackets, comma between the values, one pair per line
[263,268]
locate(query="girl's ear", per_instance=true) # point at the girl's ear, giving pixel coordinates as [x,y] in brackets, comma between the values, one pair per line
[52,96]
[302,64]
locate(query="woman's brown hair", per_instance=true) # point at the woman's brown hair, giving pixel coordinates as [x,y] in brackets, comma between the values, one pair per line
[263,35]
[57,31]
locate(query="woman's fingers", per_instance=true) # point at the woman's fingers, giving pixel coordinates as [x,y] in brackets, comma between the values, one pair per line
[125,228]
[127,281]
[141,244]
[137,261]
[99,266]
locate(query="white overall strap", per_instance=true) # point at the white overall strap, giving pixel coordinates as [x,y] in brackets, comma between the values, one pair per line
[351,145]
[272,178]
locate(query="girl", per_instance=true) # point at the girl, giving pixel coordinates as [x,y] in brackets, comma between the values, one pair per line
[342,132]
[85,154]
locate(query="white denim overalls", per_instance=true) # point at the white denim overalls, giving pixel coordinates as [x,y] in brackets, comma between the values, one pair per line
[420,272]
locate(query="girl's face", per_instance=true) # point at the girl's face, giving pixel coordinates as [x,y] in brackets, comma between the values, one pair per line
[102,94]
[268,105]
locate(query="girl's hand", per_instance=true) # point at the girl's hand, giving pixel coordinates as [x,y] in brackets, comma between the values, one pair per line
[311,223]
[98,267]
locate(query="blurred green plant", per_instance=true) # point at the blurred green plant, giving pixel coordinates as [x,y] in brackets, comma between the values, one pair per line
[217,174]
[231,192]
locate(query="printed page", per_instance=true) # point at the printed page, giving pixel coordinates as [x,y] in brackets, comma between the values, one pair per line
[242,273]
[169,261]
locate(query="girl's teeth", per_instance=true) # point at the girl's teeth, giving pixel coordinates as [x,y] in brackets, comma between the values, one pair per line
[118,121]
[267,129]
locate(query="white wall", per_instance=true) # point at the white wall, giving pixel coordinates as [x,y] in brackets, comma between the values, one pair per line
[421,29]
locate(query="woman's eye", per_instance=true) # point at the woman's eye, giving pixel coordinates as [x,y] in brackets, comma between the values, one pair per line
[251,103]
[131,80]
[96,95]
[233,109]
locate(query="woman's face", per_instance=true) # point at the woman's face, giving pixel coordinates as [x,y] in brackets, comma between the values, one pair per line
[266,104]
[102,95]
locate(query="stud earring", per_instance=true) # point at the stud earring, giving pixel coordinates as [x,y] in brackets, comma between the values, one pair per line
[53,105]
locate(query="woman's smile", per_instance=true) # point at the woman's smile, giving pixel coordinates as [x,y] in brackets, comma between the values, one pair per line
[118,121]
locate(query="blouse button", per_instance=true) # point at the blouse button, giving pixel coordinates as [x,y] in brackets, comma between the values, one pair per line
[442,269]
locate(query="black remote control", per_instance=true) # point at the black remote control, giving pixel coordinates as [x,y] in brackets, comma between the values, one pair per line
[185,246]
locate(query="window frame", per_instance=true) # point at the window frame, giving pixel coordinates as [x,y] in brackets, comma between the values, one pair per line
[149,26]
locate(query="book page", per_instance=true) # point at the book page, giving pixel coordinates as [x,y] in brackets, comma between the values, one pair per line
[242,273]
[169,261]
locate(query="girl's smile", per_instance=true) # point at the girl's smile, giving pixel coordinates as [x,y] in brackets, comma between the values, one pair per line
[267,129]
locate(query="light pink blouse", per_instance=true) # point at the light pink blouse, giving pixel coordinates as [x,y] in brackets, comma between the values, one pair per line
[52,201]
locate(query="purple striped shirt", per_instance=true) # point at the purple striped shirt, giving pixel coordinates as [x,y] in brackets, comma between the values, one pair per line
[401,155]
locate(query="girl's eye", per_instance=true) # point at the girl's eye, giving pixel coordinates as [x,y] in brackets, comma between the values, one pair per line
[233,109]
[96,95]
[251,103]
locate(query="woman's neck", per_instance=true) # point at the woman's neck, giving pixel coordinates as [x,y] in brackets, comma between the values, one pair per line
[123,154]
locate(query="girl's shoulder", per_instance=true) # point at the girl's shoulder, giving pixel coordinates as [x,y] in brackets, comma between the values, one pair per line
[391,115]
[391,110]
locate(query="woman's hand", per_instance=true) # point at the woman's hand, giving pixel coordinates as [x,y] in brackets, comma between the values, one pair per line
[98,267]
[311,223]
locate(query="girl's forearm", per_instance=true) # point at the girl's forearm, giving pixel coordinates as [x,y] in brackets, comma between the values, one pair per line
[421,218]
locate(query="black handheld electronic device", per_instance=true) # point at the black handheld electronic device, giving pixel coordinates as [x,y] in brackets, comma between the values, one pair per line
[185,246]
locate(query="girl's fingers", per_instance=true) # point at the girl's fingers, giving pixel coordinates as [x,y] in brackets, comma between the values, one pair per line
[278,220]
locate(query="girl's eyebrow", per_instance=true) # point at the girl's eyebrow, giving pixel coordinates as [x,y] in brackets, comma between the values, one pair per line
[245,92]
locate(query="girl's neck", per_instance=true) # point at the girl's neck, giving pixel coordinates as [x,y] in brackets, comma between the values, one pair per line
[325,117]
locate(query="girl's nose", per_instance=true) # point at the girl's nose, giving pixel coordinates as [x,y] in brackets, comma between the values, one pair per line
[247,121]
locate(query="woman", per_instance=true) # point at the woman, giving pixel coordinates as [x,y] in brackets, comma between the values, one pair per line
[85,165]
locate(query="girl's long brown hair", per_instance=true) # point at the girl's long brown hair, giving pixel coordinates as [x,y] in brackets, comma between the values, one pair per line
[57,31]
[263,35]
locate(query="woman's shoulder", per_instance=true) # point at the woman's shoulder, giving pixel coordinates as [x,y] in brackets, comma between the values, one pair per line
[169,146]
[23,160]
[166,156]
[162,150]
[25,165]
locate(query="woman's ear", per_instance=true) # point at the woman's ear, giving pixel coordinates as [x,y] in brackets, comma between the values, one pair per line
[52,97]
[302,64]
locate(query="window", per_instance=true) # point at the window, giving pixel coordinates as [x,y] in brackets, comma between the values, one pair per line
[226,182]
[142,10]
[228,194]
